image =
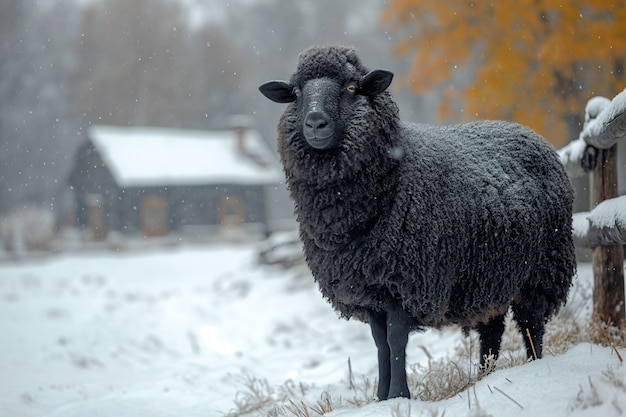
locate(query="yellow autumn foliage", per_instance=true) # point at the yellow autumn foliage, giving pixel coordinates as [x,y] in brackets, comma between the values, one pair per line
[536,62]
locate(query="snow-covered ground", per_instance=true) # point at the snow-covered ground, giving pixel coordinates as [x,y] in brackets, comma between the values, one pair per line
[206,331]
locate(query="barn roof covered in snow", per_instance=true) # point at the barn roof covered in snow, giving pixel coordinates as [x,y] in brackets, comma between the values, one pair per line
[139,156]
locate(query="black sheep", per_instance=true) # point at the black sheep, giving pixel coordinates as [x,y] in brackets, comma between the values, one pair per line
[408,226]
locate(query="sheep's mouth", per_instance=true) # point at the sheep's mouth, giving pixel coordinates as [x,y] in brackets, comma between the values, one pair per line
[321,143]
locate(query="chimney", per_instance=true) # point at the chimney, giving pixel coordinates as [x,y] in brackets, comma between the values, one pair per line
[240,134]
[240,124]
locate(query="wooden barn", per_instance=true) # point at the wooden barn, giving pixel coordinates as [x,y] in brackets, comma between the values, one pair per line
[153,181]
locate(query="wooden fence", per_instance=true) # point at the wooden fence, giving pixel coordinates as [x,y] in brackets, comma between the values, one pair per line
[603,228]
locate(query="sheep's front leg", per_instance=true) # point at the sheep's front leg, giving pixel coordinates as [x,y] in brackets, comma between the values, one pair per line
[390,330]
[397,337]
[378,325]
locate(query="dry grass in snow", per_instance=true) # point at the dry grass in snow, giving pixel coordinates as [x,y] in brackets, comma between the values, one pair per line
[456,375]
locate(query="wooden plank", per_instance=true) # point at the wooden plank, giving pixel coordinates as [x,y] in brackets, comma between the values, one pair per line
[608,261]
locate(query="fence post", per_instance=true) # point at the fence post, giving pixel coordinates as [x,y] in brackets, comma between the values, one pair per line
[608,261]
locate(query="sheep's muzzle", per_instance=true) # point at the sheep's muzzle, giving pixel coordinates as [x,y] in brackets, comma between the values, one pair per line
[318,129]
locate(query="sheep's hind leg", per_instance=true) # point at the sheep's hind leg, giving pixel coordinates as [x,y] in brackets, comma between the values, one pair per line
[532,323]
[378,325]
[490,339]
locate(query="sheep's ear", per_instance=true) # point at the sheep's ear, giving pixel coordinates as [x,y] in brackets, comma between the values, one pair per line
[375,82]
[278,91]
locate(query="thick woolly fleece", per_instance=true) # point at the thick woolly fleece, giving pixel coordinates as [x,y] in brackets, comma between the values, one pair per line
[456,223]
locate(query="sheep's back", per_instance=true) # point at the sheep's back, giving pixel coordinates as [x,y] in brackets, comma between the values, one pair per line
[480,216]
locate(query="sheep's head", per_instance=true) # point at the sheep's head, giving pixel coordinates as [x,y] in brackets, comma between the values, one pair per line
[328,86]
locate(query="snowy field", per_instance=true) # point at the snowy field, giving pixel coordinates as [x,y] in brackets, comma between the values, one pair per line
[207,331]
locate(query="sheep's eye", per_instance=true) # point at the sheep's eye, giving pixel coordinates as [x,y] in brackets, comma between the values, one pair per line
[351,89]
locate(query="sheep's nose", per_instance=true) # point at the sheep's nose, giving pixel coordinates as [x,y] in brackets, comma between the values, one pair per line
[317,125]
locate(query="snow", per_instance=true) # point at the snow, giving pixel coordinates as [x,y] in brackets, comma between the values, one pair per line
[609,213]
[571,155]
[605,123]
[594,107]
[555,386]
[140,156]
[187,330]
[580,224]
[605,224]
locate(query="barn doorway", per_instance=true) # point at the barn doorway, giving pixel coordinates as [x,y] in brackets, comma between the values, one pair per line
[153,216]
[96,217]
[231,211]
[231,216]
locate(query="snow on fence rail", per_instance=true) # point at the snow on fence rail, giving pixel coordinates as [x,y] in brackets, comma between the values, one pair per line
[608,121]
[605,125]
[604,225]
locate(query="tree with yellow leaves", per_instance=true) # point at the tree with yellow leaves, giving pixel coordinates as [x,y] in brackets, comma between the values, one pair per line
[536,62]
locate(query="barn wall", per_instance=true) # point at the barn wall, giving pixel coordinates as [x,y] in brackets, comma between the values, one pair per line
[191,205]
